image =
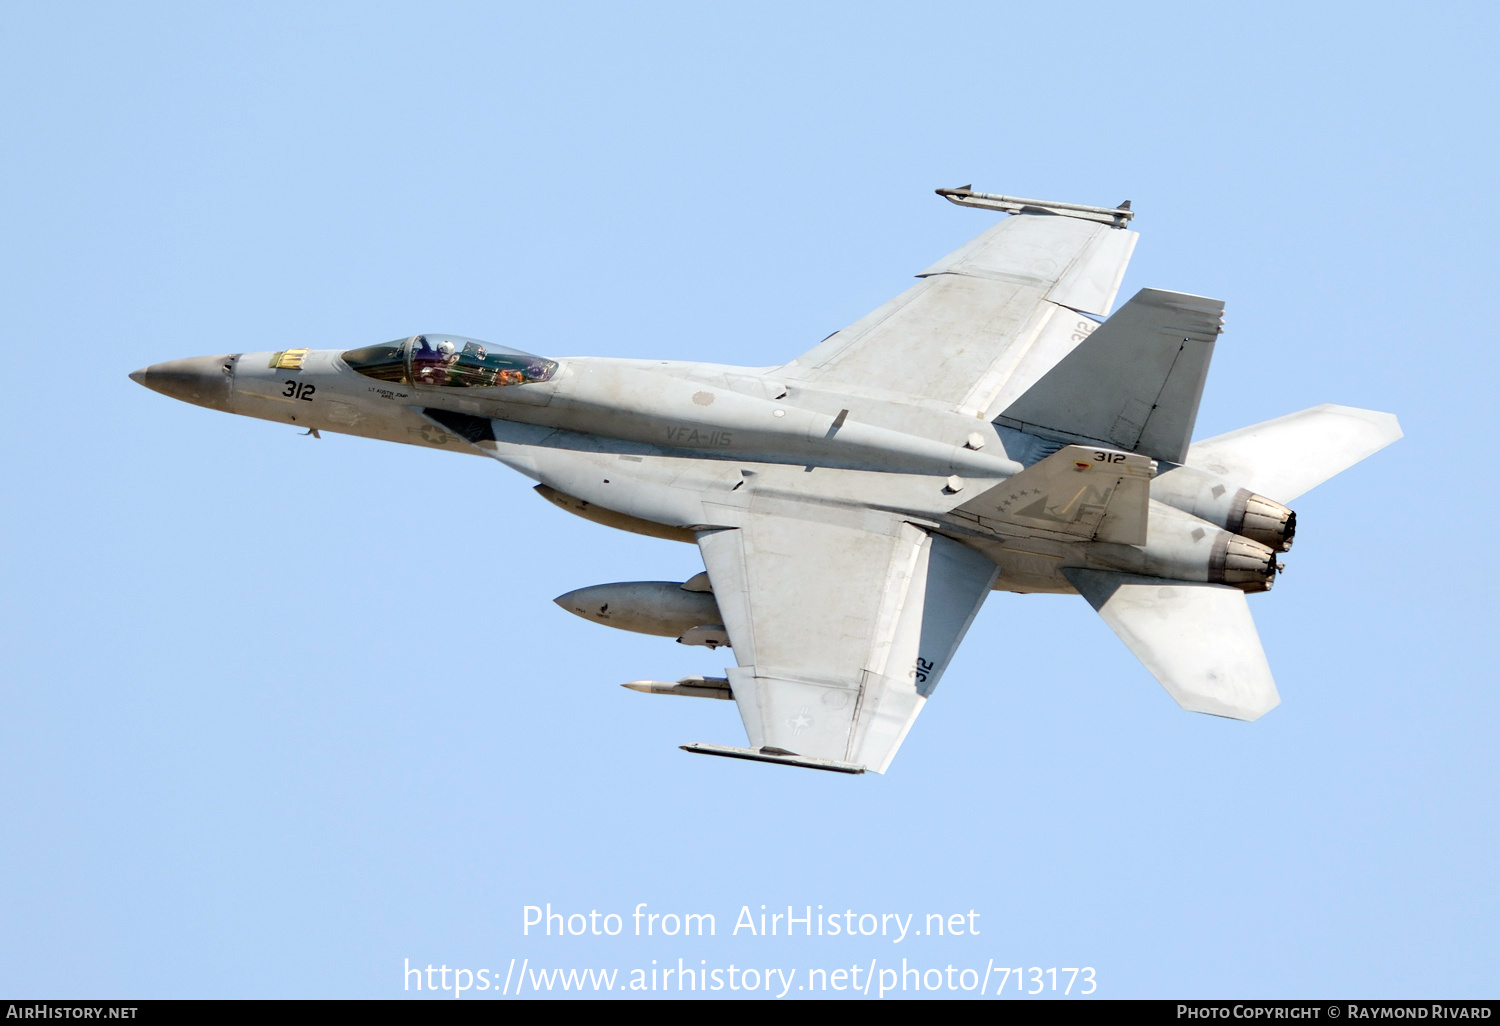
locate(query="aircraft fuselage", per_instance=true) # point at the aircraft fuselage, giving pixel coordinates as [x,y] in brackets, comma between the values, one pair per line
[665,443]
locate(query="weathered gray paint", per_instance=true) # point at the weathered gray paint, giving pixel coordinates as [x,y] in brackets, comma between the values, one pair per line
[855,506]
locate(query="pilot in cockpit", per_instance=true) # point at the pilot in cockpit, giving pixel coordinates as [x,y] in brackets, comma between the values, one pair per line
[430,362]
[436,360]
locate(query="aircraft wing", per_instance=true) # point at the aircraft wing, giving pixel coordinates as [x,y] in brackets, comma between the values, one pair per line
[986,321]
[841,626]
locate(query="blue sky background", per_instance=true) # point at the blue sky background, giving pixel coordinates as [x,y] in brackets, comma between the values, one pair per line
[277,713]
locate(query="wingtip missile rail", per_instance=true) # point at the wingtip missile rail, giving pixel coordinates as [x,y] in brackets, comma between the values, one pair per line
[767,753]
[965,196]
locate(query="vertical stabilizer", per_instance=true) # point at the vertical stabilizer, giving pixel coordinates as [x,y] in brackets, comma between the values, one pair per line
[1134,384]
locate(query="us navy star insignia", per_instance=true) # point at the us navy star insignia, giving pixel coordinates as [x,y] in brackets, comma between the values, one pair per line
[800,722]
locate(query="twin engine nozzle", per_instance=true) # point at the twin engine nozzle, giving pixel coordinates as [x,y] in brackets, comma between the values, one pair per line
[1262,520]
[1243,563]
[1257,527]
[1237,510]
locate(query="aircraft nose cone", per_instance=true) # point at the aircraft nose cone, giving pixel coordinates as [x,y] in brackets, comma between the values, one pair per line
[201,380]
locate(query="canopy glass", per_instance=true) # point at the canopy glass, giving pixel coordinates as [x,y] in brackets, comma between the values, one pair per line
[449,361]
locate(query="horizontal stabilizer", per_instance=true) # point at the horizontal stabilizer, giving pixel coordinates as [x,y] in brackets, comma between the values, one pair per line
[1198,640]
[965,196]
[1077,492]
[1285,457]
[1133,384]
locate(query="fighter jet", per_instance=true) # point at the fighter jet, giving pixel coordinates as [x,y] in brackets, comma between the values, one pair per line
[993,427]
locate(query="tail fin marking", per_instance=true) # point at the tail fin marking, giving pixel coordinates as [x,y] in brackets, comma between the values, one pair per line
[1078,492]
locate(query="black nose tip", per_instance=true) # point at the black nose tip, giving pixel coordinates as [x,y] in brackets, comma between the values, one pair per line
[201,380]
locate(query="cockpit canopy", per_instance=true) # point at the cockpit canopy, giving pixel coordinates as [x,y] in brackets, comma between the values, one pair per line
[449,360]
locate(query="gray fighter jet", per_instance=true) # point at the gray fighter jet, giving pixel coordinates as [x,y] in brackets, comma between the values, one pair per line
[994,427]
